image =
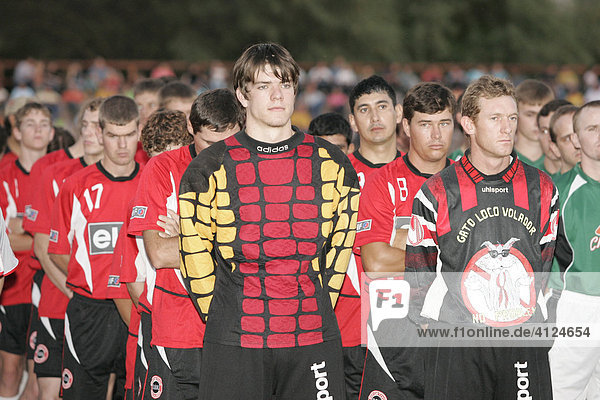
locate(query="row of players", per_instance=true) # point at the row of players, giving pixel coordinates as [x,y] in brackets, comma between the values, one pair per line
[95,205]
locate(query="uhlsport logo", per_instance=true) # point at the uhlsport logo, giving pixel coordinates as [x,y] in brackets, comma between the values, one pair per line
[321,381]
[67,378]
[156,387]
[377,395]
[41,354]
[522,381]
[139,212]
[103,237]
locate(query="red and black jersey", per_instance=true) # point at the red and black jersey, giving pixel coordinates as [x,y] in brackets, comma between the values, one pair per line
[266,235]
[53,302]
[475,242]
[16,182]
[348,305]
[175,321]
[88,214]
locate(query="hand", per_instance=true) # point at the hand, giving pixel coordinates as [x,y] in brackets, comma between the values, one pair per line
[170,223]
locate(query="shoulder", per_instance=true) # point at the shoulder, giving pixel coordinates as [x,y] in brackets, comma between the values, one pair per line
[326,149]
[195,177]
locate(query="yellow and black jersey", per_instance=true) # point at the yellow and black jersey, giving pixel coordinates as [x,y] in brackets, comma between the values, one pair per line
[266,235]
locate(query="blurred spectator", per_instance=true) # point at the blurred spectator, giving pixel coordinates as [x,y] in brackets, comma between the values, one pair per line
[161,70]
[24,72]
[218,75]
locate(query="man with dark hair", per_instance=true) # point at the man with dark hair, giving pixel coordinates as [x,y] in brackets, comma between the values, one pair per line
[552,160]
[531,95]
[335,129]
[384,216]
[267,222]
[561,135]
[178,96]
[145,95]
[466,220]
[175,335]
[33,130]
[87,217]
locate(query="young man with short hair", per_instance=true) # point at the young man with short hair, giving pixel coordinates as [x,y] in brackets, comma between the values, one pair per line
[552,160]
[531,95]
[335,129]
[561,135]
[89,211]
[146,97]
[33,130]
[486,209]
[384,217]
[267,227]
[177,95]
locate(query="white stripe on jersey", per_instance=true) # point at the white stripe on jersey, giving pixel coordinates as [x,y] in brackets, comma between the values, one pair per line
[11,209]
[423,199]
[78,225]
[145,270]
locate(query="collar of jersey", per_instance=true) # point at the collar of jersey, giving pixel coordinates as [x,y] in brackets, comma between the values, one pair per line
[477,176]
[252,144]
[118,178]
[368,163]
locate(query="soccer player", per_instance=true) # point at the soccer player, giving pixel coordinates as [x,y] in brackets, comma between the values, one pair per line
[575,368]
[177,95]
[89,211]
[145,95]
[177,330]
[552,161]
[54,292]
[384,217]
[267,228]
[561,136]
[486,210]
[335,129]
[33,129]
[531,96]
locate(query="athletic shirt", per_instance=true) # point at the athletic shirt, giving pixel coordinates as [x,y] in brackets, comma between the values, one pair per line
[347,309]
[175,321]
[579,199]
[8,261]
[494,232]
[53,303]
[88,214]
[266,235]
[539,163]
[15,181]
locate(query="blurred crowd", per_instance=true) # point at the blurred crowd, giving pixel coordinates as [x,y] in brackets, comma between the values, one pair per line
[324,87]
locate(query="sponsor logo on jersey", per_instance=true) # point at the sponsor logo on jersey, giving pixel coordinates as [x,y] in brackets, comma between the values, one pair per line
[498,285]
[41,354]
[139,212]
[114,281]
[416,233]
[522,381]
[595,242]
[53,236]
[33,340]
[156,387]
[363,226]
[31,213]
[377,395]
[321,382]
[67,378]
[495,190]
[272,149]
[103,237]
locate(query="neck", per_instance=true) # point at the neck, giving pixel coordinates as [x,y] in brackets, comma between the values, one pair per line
[529,148]
[92,158]
[28,157]
[486,164]
[426,167]
[566,168]
[591,168]
[13,145]
[117,170]
[76,149]
[552,166]
[268,134]
[381,153]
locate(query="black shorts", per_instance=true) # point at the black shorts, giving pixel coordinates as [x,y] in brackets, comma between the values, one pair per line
[354,361]
[14,323]
[161,382]
[185,367]
[95,337]
[49,348]
[305,372]
[32,329]
[487,373]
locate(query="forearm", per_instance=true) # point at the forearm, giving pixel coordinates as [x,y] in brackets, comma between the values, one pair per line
[162,252]
[20,241]
[124,309]
[379,257]
[135,290]
[61,261]
[55,274]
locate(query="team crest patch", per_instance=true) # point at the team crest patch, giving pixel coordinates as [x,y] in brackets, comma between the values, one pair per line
[41,354]
[138,212]
[31,213]
[33,340]
[416,233]
[363,226]
[67,378]
[377,395]
[156,387]
[53,236]
[114,281]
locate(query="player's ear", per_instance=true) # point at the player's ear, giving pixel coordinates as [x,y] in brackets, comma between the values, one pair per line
[575,140]
[399,113]
[406,127]
[350,148]
[189,127]
[352,122]
[241,97]
[468,125]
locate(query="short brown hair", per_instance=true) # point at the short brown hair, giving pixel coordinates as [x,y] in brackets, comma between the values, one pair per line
[175,90]
[256,57]
[165,128]
[118,110]
[591,104]
[27,108]
[217,109]
[487,87]
[90,105]
[532,91]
